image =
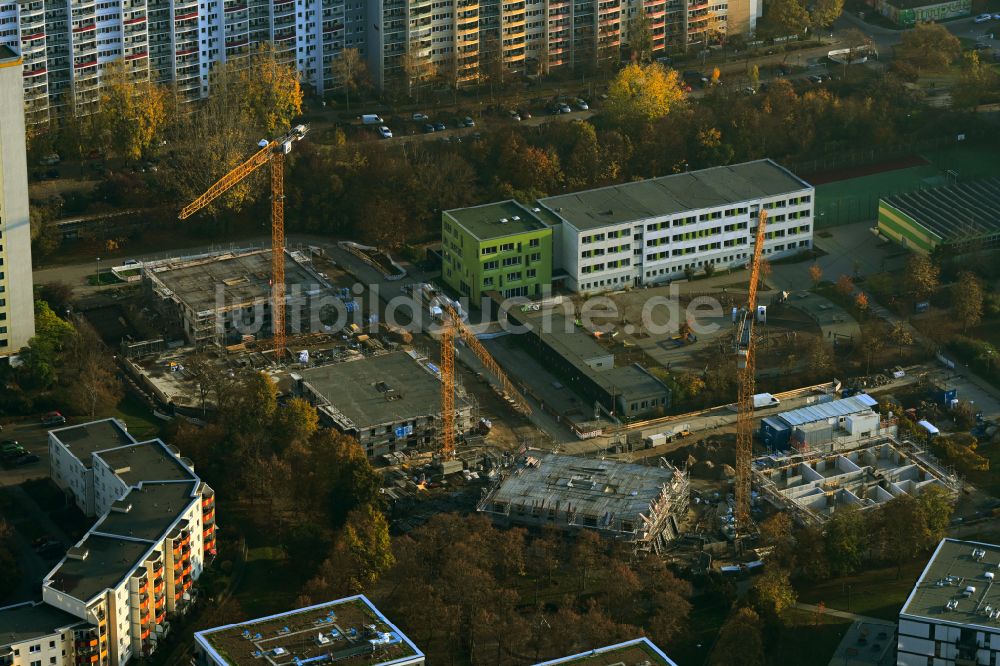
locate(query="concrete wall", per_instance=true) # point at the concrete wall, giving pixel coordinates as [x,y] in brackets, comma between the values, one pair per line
[17,306]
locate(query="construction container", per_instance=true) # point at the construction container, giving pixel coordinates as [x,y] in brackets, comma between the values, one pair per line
[942,395]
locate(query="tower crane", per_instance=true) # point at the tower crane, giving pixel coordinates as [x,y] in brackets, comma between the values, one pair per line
[745,368]
[452,323]
[273,153]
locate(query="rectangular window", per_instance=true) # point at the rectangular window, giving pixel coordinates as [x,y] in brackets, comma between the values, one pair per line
[492,249]
[506,247]
[491,265]
[534,242]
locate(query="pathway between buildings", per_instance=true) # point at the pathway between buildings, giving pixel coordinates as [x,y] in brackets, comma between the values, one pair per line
[811,608]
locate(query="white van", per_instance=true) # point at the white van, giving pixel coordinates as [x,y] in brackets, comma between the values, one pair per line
[370,119]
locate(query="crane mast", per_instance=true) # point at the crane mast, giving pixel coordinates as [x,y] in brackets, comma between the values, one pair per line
[273,153]
[745,368]
[452,324]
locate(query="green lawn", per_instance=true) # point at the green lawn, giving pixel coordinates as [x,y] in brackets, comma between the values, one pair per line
[269,584]
[139,419]
[875,592]
[807,639]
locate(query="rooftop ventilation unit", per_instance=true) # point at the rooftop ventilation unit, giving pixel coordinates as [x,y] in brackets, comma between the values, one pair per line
[969,591]
[516,218]
[951,605]
[988,575]
[978,553]
[321,639]
[504,220]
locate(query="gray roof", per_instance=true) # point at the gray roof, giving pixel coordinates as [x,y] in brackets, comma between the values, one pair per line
[85,439]
[296,633]
[825,410]
[484,222]
[956,213]
[28,621]
[378,389]
[108,561]
[146,461]
[595,488]
[636,651]
[707,188]
[951,569]
[148,511]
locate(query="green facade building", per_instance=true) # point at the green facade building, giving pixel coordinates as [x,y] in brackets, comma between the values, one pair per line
[503,247]
[908,13]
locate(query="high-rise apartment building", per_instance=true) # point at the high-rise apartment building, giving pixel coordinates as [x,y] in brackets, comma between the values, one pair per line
[17,312]
[65,47]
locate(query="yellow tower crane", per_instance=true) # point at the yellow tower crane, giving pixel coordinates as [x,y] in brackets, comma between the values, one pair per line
[745,368]
[271,152]
[452,323]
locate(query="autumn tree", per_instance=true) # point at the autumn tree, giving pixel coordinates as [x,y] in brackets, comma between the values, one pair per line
[977,82]
[42,358]
[824,13]
[922,276]
[786,17]
[643,93]
[776,531]
[900,336]
[350,72]
[928,46]
[640,36]
[846,540]
[90,381]
[132,111]
[900,530]
[271,91]
[861,302]
[740,642]
[967,300]
[773,591]
[844,286]
[296,421]
[816,274]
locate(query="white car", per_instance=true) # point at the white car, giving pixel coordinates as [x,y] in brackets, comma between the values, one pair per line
[582,105]
[385,132]
[996,17]
[983,18]
[420,116]
[564,108]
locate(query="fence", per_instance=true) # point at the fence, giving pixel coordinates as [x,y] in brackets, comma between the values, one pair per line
[856,158]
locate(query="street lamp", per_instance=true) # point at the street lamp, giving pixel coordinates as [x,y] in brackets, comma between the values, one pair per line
[98,271]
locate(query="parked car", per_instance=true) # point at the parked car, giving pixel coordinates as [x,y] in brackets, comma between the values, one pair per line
[514,115]
[53,418]
[385,132]
[27,459]
[981,46]
[420,116]
[439,127]
[983,18]
[469,122]
[524,113]
[428,128]
[49,160]
[565,108]
[582,105]
[815,78]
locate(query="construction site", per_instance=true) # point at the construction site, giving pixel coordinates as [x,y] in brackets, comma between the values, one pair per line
[813,486]
[641,505]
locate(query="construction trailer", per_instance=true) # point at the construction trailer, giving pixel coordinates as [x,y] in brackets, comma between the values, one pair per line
[827,426]
[638,504]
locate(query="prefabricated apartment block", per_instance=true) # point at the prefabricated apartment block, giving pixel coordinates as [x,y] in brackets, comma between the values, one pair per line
[388,402]
[502,247]
[135,568]
[219,298]
[649,231]
[835,425]
[813,486]
[952,616]
[639,504]
[630,653]
[349,631]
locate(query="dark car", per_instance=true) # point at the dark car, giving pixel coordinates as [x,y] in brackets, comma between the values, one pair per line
[27,459]
[428,128]
[53,418]
[468,122]
[439,127]
[815,78]
[524,113]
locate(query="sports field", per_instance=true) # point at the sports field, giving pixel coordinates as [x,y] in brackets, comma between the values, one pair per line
[843,198]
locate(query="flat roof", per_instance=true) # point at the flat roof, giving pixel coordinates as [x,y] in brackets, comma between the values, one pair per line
[87,438]
[28,621]
[861,402]
[484,222]
[378,389]
[594,488]
[145,461]
[108,560]
[243,278]
[348,631]
[961,212]
[953,568]
[637,651]
[677,193]
[148,511]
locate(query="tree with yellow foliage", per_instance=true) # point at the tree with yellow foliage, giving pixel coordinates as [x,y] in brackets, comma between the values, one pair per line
[272,91]
[643,93]
[132,111]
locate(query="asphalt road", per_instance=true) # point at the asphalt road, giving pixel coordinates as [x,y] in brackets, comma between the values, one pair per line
[34,437]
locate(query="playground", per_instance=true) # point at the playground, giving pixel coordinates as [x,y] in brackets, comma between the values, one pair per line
[849,195]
